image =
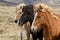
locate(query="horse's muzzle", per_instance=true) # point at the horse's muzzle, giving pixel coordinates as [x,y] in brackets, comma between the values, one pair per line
[18,22]
[33,29]
[15,21]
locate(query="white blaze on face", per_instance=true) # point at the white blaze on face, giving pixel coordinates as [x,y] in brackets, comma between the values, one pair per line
[33,27]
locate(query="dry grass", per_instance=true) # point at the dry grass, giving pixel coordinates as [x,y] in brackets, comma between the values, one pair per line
[8,29]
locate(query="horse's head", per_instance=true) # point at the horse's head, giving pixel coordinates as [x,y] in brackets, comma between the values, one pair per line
[18,12]
[40,19]
[37,22]
[28,14]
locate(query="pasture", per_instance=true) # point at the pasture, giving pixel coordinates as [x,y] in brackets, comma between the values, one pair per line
[8,29]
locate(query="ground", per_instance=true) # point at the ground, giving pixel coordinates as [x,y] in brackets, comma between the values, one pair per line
[8,29]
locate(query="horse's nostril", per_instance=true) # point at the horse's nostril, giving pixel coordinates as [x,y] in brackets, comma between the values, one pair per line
[16,21]
[33,30]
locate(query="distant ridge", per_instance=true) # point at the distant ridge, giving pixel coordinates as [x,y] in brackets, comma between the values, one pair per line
[2,2]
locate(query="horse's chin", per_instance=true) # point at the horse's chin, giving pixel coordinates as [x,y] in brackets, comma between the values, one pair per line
[15,21]
[36,29]
[20,24]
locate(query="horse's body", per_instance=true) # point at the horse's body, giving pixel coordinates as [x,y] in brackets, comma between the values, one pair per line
[50,24]
[28,15]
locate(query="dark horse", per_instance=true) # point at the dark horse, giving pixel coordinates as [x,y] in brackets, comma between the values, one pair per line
[28,15]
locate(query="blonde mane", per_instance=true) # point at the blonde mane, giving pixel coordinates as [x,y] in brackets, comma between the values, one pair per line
[20,6]
[44,6]
[48,9]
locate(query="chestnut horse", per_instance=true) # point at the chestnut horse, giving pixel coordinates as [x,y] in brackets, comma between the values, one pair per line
[44,19]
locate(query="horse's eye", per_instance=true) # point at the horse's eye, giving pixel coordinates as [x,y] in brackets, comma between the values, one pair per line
[20,7]
[38,16]
[20,12]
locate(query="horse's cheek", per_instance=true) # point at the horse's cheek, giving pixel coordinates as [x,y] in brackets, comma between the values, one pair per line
[36,22]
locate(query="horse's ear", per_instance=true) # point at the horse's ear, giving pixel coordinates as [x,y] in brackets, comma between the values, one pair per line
[40,7]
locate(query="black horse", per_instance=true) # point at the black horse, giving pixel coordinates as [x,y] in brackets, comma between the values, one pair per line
[28,15]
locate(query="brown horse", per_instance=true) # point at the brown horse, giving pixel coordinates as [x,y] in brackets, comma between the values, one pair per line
[44,19]
[18,15]
[19,11]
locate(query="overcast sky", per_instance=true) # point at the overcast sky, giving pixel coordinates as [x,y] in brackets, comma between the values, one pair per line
[31,1]
[15,1]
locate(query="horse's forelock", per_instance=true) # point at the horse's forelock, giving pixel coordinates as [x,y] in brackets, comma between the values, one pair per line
[45,7]
[20,5]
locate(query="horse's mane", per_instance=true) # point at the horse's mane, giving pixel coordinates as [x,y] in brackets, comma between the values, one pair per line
[44,6]
[20,5]
[48,9]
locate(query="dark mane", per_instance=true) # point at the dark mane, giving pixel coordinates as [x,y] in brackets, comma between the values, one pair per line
[28,12]
[28,9]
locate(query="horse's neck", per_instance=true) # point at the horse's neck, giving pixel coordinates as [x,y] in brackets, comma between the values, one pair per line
[31,19]
[50,24]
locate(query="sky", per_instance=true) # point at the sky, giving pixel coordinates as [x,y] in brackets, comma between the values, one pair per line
[31,1]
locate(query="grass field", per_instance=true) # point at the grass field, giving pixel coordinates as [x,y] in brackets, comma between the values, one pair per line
[8,29]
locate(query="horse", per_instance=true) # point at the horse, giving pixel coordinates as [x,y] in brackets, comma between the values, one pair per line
[18,15]
[44,19]
[28,16]
[18,11]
